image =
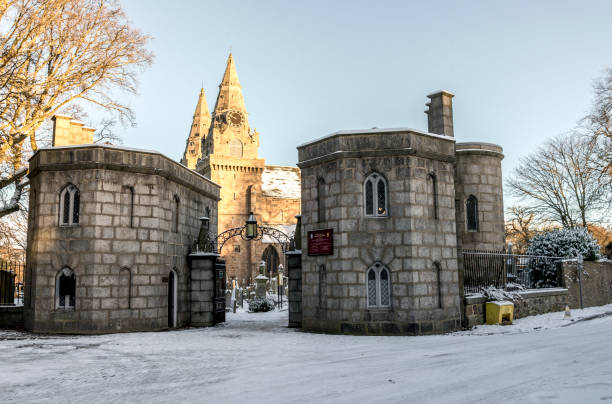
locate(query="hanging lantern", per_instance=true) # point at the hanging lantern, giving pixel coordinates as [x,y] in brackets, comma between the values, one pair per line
[251,227]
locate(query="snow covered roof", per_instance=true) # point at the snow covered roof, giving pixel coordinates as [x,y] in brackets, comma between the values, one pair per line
[376,130]
[281,182]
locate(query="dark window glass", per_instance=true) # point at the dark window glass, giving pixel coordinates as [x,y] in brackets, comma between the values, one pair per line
[270,256]
[75,206]
[66,212]
[381,196]
[369,200]
[472,213]
[384,288]
[67,287]
[371,288]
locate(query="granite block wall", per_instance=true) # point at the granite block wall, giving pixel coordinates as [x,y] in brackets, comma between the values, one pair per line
[412,241]
[138,218]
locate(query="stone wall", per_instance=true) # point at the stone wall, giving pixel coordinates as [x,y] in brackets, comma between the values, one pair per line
[596,283]
[479,173]
[128,239]
[11,317]
[527,303]
[408,242]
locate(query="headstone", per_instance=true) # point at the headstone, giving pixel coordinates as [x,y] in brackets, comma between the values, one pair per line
[260,290]
[228,298]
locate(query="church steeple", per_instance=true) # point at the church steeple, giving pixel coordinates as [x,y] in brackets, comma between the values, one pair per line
[199,128]
[202,107]
[230,141]
[230,90]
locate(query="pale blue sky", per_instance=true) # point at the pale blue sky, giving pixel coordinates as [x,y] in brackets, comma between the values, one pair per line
[521,71]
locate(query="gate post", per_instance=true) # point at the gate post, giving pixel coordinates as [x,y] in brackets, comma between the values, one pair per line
[294,268]
[202,288]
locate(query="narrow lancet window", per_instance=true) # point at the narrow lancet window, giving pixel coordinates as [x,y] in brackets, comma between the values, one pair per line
[175,219]
[434,186]
[471,209]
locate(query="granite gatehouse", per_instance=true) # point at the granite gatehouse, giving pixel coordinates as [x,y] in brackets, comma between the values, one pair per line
[400,202]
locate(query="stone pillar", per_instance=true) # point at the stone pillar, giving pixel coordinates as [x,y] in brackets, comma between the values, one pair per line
[202,288]
[440,113]
[294,267]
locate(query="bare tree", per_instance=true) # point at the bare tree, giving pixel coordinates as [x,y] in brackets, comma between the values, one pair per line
[564,182]
[599,121]
[521,225]
[54,53]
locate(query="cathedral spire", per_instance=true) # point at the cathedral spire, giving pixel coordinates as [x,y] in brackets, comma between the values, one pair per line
[197,132]
[202,107]
[230,91]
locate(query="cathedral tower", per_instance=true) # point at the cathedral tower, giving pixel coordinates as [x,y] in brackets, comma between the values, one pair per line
[229,157]
[199,128]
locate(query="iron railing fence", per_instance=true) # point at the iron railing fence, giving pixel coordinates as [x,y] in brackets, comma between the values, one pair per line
[12,281]
[484,268]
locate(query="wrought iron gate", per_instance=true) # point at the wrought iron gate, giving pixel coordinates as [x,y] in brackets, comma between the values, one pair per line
[219,298]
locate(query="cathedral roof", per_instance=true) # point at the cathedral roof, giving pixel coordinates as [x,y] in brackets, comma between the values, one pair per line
[281,182]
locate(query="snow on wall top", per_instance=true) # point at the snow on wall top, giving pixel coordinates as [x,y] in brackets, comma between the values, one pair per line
[281,182]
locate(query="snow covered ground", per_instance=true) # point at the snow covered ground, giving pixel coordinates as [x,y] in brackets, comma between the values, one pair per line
[254,358]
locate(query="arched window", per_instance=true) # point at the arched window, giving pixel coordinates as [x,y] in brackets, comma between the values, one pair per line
[471,211]
[69,205]
[270,256]
[378,286]
[320,199]
[375,195]
[65,289]
[235,148]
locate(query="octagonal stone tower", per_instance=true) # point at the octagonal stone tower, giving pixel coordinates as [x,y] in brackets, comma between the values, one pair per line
[109,232]
[388,198]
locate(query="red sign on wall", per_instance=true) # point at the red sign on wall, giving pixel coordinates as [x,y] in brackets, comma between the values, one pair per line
[321,242]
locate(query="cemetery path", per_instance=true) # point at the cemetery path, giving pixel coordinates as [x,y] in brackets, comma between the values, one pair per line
[254,358]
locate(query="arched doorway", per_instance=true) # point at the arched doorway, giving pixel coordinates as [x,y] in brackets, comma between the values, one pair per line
[270,256]
[172,298]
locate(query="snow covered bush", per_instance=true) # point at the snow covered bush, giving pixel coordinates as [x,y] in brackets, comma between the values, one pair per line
[568,243]
[260,304]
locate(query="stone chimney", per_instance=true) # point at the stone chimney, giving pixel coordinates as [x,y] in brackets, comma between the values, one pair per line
[440,113]
[70,132]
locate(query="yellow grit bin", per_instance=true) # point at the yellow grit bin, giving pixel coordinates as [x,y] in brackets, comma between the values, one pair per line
[500,312]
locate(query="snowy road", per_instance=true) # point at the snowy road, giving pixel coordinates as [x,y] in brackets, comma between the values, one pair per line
[254,359]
